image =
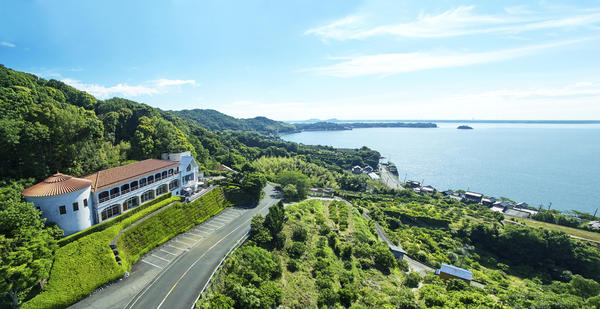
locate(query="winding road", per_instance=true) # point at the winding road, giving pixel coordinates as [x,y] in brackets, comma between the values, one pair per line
[173,274]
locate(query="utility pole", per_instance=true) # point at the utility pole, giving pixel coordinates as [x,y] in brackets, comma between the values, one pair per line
[595,213]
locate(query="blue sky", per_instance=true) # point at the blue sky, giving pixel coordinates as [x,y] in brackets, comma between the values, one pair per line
[293,60]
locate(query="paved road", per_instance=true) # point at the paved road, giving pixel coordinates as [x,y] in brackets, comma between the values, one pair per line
[389,179]
[172,275]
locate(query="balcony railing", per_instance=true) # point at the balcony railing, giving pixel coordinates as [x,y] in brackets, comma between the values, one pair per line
[133,188]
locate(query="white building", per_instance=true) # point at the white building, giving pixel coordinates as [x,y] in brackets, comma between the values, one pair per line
[78,203]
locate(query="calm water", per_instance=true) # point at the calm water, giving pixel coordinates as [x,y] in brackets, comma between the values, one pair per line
[534,163]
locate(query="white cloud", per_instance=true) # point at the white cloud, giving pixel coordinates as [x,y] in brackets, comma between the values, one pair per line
[148,88]
[173,82]
[388,64]
[7,44]
[454,22]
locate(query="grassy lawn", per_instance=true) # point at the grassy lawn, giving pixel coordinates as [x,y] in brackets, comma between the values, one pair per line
[587,235]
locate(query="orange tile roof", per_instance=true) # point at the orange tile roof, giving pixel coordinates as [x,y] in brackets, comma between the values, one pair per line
[113,176]
[57,184]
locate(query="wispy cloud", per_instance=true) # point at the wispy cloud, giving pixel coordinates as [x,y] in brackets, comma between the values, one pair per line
[389,64]
[7,44]
[577,90]
[153,87]
[453,22]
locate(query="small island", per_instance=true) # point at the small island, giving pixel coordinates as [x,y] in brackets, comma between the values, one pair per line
[464,127]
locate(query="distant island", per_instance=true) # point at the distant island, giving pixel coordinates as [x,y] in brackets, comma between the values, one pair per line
[464,127]
[330,126]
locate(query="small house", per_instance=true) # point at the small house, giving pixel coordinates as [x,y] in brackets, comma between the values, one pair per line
[357,170]
[428,189]
[594,224]
[373,176]
[413,184]
[367,169]
[452,272]
[522,205]
[488,201]
[447,193]
[397,251]
[472,197]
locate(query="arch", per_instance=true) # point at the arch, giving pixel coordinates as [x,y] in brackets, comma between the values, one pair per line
[148,195]
[143,182]
[162,189]
[150,179]
[103,196]
[171,172]
[134,185]
[110,211]
[125,188]
[114,192]
[164,174]
[131,202]
[157,176]
[173,184]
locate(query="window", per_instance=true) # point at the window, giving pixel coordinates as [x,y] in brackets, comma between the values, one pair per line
[189,168]
[173,184]
[148,195]
[150,179]
[131,203]
[103,196]
[142,182]
[134,185]
[62,209]
[162,189]
[114,192]
[157,176]
[164,174]
[110,211]
[75,206]
[84,202]
[171,172]
[125,188]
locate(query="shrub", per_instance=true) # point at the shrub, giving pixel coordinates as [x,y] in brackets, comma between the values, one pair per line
[402,265]
[292,266]
[296,249]
[299,234]
[412,279]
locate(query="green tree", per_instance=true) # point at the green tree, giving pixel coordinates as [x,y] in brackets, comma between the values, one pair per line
[26,247]
[299,180]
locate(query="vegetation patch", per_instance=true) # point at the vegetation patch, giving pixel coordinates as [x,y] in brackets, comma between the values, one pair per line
[161,227]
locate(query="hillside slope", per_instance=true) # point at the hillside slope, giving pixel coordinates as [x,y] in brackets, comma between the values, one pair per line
[218,121]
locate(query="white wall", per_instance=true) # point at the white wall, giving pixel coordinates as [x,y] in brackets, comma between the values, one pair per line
[72,221]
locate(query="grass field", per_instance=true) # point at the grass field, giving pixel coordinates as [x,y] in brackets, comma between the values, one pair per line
[577,233]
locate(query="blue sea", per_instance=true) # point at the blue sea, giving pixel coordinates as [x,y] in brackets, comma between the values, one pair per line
[534,163]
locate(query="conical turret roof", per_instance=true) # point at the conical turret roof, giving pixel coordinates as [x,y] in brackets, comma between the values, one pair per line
[57,184]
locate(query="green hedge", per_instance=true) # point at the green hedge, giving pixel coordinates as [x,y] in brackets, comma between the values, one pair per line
[86,262]
[79,268]
[165,225]
[106,224]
